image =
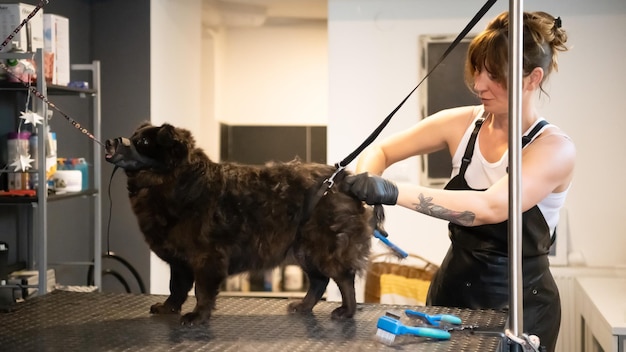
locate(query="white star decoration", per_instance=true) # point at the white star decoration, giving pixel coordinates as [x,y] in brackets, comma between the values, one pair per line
[22,163]
[31,117]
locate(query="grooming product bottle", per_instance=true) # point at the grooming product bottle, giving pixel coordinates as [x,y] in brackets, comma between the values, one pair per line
[34,154]
[17,145]
[51,155]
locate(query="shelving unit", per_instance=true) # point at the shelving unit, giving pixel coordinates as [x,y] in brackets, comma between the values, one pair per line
[38,253]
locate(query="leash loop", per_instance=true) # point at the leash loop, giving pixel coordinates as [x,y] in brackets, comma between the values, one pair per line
[331,180]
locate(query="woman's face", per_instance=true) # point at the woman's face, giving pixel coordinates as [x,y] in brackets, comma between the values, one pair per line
[492,94]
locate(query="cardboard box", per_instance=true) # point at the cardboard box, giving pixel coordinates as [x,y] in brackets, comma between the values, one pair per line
[30,37]
[31,278]
[56,47]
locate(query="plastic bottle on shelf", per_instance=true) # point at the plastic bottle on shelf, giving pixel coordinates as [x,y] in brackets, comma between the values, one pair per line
[34,154]
[51,155]
[17,145]
[11,63]
[23,69]
[81,165]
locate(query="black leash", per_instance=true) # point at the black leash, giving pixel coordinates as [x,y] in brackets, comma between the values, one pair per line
[378,218]
[329,182]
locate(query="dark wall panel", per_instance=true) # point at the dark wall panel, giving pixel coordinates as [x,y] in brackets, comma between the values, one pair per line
[121,41]
[260,144]
[446,89]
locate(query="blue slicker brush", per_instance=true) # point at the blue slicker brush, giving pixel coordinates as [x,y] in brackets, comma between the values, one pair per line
[435,320]
[396,250]
[389,328]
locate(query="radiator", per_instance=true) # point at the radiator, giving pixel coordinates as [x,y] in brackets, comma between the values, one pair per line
[569,338]
[567,333]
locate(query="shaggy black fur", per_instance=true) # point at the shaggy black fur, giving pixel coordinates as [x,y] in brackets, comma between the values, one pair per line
[210,220]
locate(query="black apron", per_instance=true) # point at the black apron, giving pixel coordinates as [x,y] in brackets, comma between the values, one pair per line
[474,273]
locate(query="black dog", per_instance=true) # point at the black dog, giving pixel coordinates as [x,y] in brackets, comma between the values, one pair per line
[210,220]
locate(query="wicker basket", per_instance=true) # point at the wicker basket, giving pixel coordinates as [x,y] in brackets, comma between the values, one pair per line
[390,269]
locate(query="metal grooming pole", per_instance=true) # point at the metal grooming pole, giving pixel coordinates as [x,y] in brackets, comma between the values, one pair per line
[516,304]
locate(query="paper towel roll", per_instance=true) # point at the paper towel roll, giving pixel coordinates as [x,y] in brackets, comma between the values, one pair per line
[292,278]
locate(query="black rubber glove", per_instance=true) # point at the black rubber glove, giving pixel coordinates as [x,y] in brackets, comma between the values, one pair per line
[371,189]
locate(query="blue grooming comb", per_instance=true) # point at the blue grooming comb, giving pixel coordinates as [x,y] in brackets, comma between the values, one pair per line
[388,243]
[389,328]
[435,320]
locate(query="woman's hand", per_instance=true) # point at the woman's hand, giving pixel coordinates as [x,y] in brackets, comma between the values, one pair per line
[371,189]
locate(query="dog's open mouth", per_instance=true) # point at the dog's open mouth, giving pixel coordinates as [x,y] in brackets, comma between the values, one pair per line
[110,154]
[112,158]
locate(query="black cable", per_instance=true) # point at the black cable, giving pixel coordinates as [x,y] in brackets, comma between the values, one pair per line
[109,254]
[124,262]
[119,278]
[110,210]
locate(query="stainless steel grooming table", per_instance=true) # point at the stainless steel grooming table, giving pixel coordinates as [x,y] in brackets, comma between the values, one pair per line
[74,321]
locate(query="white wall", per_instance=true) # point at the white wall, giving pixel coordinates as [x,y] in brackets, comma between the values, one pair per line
[176,42]
[373,64]
[175,82]
[274,75]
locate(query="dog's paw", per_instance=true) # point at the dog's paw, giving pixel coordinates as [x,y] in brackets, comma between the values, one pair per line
[194,318]
[341,313]
[163,308]
[298,307]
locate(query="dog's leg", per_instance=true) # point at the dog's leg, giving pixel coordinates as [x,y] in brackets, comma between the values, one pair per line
[181,281]
[207,287]
[317,287]
[348,297]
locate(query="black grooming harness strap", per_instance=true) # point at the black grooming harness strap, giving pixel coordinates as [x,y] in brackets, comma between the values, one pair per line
[469,150]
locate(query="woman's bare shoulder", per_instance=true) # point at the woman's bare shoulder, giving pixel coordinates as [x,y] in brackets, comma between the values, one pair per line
[554,134]
[463,113]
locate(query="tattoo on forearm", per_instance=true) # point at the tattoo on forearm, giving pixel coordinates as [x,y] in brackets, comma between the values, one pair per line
[425,206]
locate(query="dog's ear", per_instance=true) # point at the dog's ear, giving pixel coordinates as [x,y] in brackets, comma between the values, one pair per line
[166,130]
[144,124]
[166,135]
[178,141]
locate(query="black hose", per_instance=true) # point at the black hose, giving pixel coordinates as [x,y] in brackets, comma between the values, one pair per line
[124,262]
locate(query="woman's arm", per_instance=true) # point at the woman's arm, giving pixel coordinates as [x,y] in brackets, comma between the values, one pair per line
[439,131]
[547,166]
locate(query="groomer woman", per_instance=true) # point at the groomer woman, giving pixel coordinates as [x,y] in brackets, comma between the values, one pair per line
[474,272]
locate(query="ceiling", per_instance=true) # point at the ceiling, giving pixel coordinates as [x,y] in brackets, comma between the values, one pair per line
[254,13]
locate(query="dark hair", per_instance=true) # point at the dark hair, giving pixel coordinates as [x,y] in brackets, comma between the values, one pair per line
[543,38]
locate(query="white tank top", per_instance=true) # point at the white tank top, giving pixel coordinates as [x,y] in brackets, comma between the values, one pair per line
[481,174]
